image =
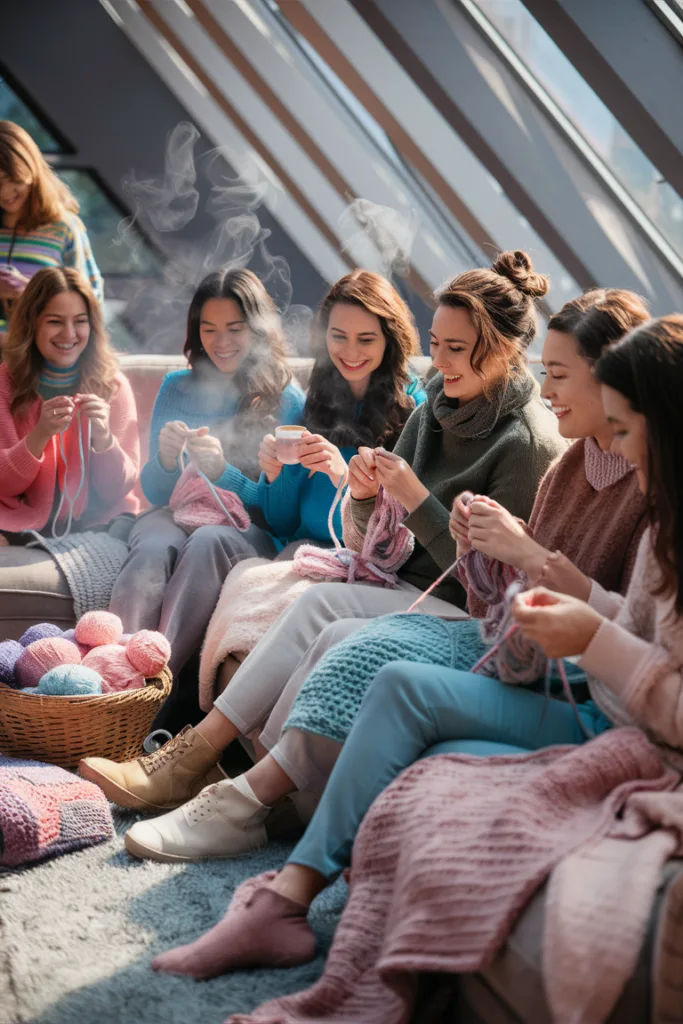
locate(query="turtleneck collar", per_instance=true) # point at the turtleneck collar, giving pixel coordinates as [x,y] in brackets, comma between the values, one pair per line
[478,418]
[603,468]
[58,380]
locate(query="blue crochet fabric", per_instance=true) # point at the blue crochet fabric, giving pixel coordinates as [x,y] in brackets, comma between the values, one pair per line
[328,702]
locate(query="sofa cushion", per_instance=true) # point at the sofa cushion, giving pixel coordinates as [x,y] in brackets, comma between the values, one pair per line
[32,589]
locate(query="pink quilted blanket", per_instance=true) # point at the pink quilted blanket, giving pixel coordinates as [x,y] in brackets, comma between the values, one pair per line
[451,852]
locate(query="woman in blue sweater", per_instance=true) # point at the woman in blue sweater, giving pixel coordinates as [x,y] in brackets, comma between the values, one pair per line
[361,392]
[238,381]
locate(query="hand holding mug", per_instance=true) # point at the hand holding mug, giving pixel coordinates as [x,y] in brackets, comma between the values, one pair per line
[267,458]
[321,456]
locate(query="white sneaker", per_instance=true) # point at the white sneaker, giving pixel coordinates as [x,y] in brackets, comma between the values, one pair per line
[221,822]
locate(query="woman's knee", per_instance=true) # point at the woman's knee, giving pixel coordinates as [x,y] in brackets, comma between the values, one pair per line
[208,539]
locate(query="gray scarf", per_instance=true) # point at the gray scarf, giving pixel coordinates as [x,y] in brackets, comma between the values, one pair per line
[478,418]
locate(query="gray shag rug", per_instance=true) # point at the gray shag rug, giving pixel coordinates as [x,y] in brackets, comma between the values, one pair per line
[77,935]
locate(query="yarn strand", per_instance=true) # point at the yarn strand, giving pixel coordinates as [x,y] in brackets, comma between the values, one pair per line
[71,502]
[216,496]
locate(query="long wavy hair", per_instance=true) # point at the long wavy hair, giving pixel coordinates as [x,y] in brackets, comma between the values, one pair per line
[646,367]
[331,408]
[20,354]
[49,199]
[500,302]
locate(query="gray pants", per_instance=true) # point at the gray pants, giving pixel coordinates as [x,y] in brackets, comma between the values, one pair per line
[171,581]
[263,689]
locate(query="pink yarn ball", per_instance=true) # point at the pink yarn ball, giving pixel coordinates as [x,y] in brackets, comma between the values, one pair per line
[111,661]
[98,628]
[42,655]
[149,652]
[70,634]
[125,638]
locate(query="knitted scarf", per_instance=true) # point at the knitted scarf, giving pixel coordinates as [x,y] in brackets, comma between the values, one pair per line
[478,418]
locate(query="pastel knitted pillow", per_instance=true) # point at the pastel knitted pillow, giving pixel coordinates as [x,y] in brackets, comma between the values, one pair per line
[46,811]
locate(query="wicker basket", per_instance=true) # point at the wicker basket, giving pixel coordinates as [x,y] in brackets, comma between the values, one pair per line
[62,730]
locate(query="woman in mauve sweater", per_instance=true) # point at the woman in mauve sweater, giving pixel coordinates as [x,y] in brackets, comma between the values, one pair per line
[631,648]
[69,447]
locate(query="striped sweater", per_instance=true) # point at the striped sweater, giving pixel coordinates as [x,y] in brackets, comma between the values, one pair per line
[62,243]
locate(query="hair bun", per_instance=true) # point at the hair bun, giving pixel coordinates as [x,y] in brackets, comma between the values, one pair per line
[517,267]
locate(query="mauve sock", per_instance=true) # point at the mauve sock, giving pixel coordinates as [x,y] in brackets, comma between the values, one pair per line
[269,930]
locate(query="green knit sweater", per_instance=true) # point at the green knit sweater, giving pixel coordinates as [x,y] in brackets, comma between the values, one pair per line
[500,447]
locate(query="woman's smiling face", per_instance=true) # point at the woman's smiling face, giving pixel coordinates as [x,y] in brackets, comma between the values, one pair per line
[355,342]
[452,341]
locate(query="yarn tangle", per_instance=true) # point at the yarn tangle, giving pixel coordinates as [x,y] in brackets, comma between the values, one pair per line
[193,507]
[386,546]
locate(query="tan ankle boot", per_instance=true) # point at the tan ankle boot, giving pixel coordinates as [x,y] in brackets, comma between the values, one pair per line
[165,779]
[221,822]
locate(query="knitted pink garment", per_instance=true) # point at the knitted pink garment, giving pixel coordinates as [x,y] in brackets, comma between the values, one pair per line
[193,505]
[386,546]
[450,854]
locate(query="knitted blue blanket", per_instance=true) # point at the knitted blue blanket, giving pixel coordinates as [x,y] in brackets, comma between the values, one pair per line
[328,702]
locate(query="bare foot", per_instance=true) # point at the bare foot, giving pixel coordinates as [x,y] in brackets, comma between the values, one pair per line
[268,930]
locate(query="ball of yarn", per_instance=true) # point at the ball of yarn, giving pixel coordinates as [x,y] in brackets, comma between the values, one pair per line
[70,681]
[10,651]
[148,652]
[41,631]
[98,628]
[70,634]
[42,655]
[113,664]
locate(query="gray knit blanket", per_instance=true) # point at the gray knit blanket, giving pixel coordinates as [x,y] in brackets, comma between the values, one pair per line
[91,562]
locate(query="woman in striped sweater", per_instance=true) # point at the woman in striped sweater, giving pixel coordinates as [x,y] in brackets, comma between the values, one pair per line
[39,224]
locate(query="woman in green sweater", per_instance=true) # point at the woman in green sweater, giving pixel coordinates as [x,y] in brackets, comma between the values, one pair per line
[484,428]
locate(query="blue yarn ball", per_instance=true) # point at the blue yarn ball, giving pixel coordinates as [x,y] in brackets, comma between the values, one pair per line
[70,681]
[9,653]
[41,631]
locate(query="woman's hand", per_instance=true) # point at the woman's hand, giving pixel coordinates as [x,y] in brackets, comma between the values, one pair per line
[55,416]
[363,481]
[321,456]
[398,480]
[12,283]
[96,411]
[267,458]
[496,533]
[458,524]
[172,437]
[560,574]
[206,453]
[563,626]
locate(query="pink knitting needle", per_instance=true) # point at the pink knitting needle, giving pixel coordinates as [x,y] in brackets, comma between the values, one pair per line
[467,498]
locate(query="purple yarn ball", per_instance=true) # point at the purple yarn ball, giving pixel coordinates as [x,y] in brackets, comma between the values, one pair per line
[9,655]
[41,631]
[70,634]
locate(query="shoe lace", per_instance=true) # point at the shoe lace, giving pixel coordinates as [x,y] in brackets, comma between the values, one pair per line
[203,805]
[153,762]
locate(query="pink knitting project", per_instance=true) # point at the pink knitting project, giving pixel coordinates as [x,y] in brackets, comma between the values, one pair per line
[193,504]
[45,811]
[450,854]
[386,546]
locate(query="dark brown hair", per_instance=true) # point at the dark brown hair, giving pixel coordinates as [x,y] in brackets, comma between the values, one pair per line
[500,302]
[264,374]
[331,408]
[600,317]
[646,367]
[49,199]
[23,360]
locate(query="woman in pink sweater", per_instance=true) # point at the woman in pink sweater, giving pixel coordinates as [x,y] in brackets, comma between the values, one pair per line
[631,648]
[69,447]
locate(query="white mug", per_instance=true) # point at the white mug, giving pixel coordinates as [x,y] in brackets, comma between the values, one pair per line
[287,443]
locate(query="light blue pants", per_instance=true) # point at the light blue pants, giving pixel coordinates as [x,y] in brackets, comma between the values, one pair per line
[412,711]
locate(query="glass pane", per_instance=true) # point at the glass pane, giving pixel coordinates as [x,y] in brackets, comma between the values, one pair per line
[572,94]
[12,108]
[118,249]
